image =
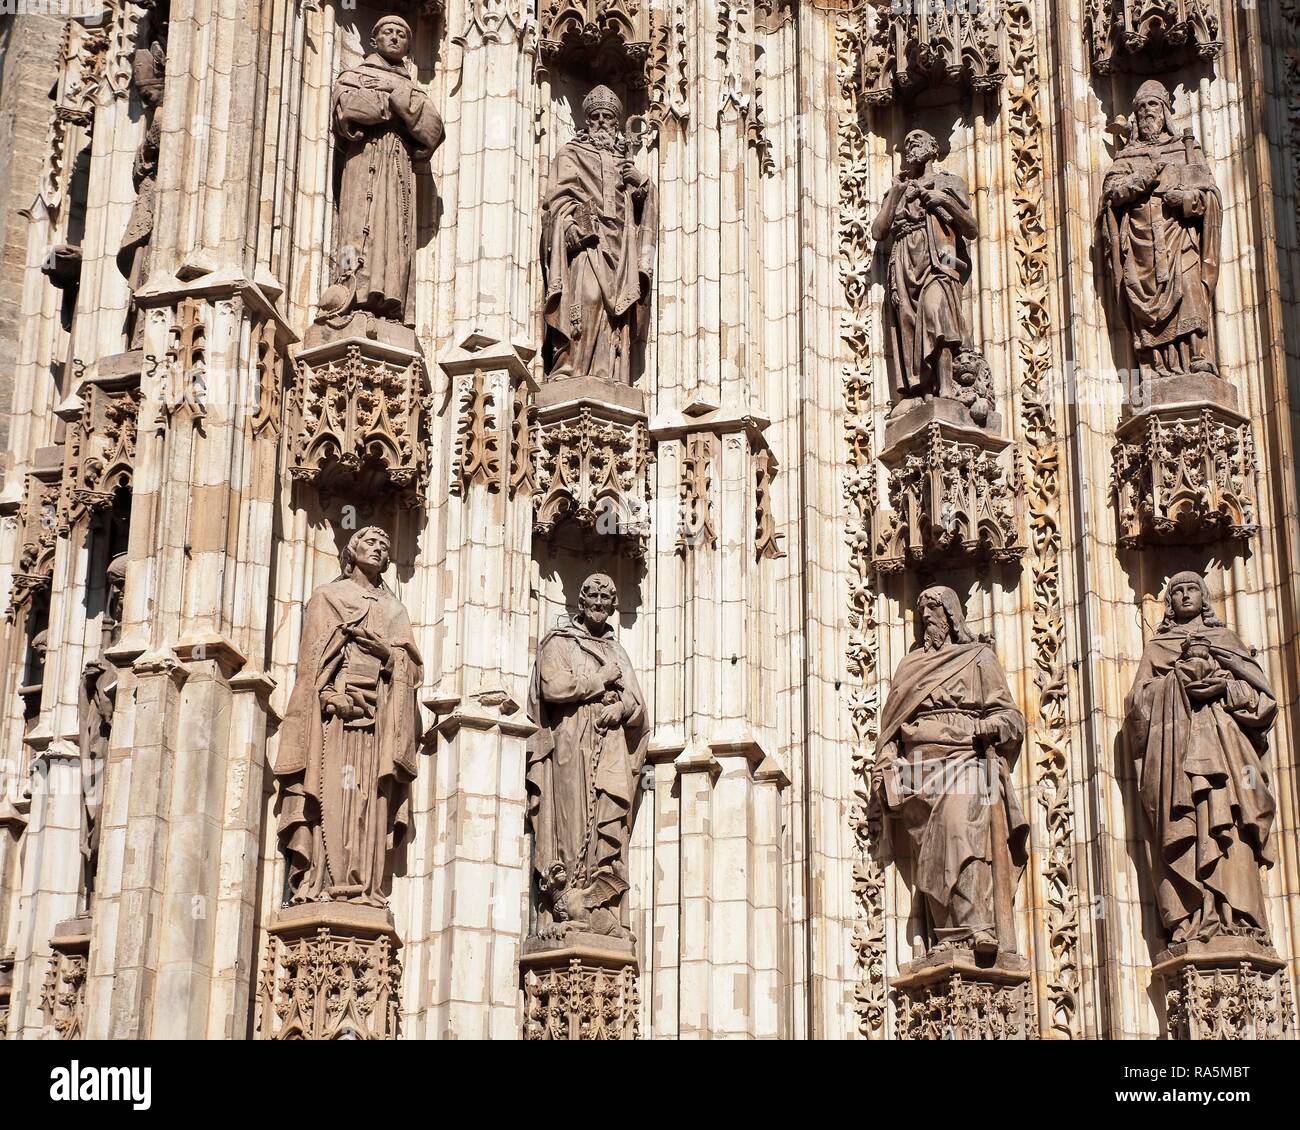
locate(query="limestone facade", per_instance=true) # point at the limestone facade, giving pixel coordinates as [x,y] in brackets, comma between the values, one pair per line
[766,516]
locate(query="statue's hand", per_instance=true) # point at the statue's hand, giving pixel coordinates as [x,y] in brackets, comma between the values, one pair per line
[337,704]
[1207,690]
[572,240]
[371,644]
[610,675]
[611,716]
[988,729]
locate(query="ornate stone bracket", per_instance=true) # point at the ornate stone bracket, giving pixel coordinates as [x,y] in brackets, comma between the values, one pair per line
[697,528]
[1184,474]
[1229,988]
[767,539]
[592,454]
[99,451]
[950,997]
[581,988]
[952,496]
[1152,35]
[931,52]
[37,529]
[331,973]
[603,39]
[63,995]
[358,415]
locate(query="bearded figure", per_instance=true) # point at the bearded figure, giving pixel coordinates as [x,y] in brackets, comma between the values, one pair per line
[1198,719]
[948,737]
[584,762]
[1161,220]
[349,738]
[599,229]
[925,221]
[385,124]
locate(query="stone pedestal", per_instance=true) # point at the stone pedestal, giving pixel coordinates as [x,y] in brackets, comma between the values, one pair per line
[358,413]
[949,996]
[1184,467]
[952,491]
[63,996]
[592,453]
[1228,988]
[331,973]
[580,987]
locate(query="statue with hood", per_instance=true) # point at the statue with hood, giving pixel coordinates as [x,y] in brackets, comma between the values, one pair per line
[584,763]
[385,124]
[1197,720]
[1161,225]
[599,231]
[349,738]
[949,734]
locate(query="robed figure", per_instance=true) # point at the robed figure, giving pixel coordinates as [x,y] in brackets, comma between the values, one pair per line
[948,736]
[584,763]
[925,220]
[148,75]
[1162,222]
[96,707]
[385,124]
[599,231]
[349,738]
[1198,719]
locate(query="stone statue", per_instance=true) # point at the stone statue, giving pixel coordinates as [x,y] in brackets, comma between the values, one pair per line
[584,762]
[1161,220]
[948,735]
[98,701]
[1198,719]
[926,220]
[599,230]
[385,123]
[350,734]
[148,74]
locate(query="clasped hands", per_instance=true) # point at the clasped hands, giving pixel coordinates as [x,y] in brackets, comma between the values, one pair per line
[610,678]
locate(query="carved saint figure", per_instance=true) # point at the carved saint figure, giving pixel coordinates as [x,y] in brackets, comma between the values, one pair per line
[98,701]
[599,229]
[926,220]
[1198,719]
[350,734]
[1161,220]
[583,766]
[948,736]
[148,72]
[385,123]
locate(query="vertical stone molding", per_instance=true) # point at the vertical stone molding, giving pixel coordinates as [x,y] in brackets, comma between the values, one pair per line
[1225,989]
[1152,35]
[37,530]
[587,991]
[331,973]
[63,995]
[949,998]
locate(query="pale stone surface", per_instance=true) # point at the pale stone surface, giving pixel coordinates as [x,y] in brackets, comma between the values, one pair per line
[762,633]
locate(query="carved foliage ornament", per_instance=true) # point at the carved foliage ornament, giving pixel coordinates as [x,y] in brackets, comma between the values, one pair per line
[1246,1002]
[63,994]
[1155,34]
[855,258]
[961,1009]
[1049,740]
